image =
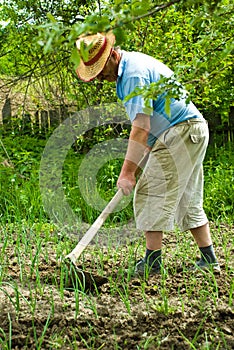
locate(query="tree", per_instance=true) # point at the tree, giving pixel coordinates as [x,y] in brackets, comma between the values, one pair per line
[193,37]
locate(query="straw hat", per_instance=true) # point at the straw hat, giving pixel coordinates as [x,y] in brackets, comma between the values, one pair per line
[99,49]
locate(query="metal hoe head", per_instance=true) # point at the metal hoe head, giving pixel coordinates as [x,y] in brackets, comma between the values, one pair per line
[76,278]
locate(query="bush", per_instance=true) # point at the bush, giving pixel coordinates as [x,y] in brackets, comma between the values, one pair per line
[219,183]
[20,197]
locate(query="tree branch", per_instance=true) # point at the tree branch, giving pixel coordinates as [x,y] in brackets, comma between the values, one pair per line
[152,12]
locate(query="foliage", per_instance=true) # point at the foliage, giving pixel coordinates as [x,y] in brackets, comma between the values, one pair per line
[170,87]
[219,184]
[198,46]
[193,37]
[44,301]
[20,193]
[37,52]
[37,55]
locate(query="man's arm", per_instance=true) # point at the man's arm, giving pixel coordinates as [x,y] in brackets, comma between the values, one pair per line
[137,147]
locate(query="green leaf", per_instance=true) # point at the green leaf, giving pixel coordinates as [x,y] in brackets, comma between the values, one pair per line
[84,51]
[168,106]
[119,35]
[51,17]
[75,57]
[48,45]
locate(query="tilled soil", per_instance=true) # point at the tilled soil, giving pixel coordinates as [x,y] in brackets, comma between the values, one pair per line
[179,309]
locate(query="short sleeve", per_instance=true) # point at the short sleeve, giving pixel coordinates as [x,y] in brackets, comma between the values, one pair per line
[136,104]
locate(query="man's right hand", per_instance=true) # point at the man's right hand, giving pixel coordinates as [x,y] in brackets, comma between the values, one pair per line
[126,184]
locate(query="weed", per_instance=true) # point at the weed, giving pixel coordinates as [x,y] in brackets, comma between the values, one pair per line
[29,241]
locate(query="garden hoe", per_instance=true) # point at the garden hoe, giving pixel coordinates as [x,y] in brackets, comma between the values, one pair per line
[77,278]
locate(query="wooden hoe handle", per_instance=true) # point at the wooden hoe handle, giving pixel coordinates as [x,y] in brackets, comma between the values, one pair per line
[82,244]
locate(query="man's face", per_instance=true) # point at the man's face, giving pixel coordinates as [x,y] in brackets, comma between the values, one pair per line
[110,70]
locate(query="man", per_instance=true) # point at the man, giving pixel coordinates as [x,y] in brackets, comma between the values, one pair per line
[170,190]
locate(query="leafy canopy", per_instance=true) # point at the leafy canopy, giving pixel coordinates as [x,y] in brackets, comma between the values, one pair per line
[195,38]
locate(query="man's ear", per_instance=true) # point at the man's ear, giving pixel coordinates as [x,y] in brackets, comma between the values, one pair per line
[115,55]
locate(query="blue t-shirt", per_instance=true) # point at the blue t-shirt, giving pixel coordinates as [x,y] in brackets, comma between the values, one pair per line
[138,69]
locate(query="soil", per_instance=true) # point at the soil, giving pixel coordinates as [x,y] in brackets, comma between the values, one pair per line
[178,310]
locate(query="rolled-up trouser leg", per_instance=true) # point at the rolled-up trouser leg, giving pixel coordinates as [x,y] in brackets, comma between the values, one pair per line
[171,186]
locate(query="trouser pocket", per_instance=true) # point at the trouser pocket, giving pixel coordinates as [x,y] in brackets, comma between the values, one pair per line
[195,138]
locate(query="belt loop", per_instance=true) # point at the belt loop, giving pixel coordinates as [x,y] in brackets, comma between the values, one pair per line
[188,122]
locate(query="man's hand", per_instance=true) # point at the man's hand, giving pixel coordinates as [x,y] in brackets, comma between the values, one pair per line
[127,183]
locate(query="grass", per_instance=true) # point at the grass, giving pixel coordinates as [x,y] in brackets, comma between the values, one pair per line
[28,283]
[21,196]
[126,313]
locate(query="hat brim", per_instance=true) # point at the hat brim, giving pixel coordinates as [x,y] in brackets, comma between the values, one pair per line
[88,73]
